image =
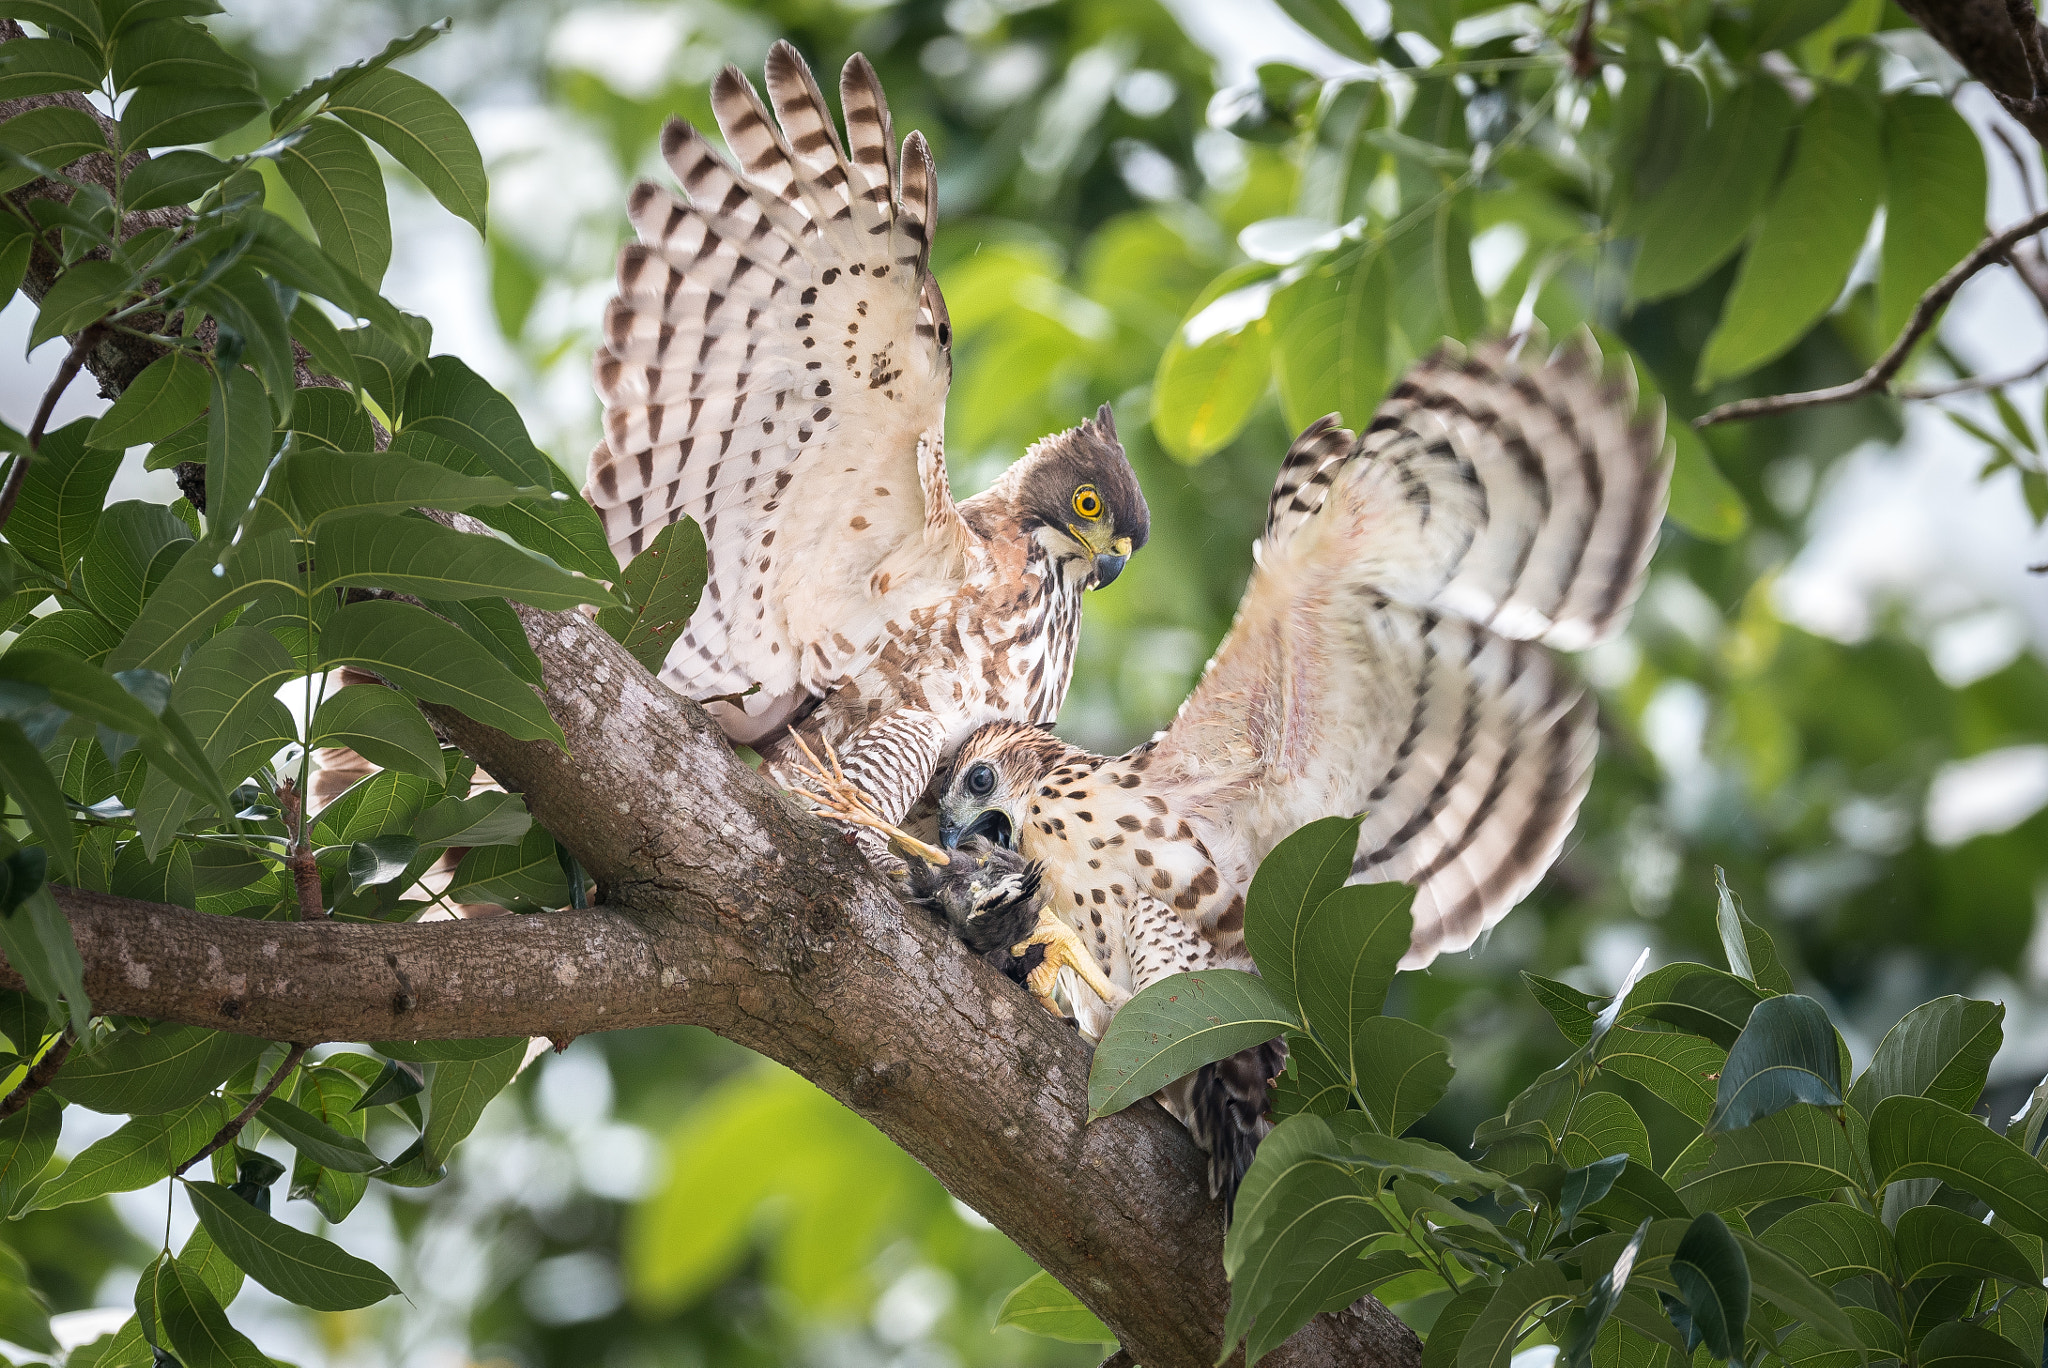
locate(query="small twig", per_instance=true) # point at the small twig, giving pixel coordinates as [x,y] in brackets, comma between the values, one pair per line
[39,1075]
[842,798]
[1980,382]
[227,1133]
[1585,59]
[305,867]
[66,372]
[2020,164]
[1878,378]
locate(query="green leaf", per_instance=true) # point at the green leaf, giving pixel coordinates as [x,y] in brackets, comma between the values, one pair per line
[80,18]
[26,778]
[459,1093]
[317,1140]
[293,106]
[1704,1001]
[1941,1049]
[323,483]
[240,443]
[1041,1306]
[54,136]
[44,66]
[1959,1344]
[1403,1069]
[418,556]
[335,175]
[1345,957]
[1811,236]
[333,1094]
[1453,1323]
[149,1073]
[1495,1332]
[1584,1187]
[422,130]
[1638,1194]
[1602,1125]
[1582,1329]
[1936,1242]
[1713,1279]
[445,398]
[132,703]
[80,632]
[1785,1055]
[193,597]
[1175,1027]
[172,178]
[384,365]
[660,589]
[191,1319]
[383,728]
[313,330]
[379,860]
[223,691]
[175,52]
[379,805]
[1332,26]
[1935,187]
[1797,1152]
[28,1139]
[24,1314]
[61,497]
[170,393]
[134,546]
[1751,953]
[1678,1067]
[251,309]
[1780,1282]
[1829,1241]
[84,294]
[1330,340]
[1214,369]
[38,943]
[1702,500]
[493,624]
[1286,891]
[141,1152]
[1703,210]
[485,820]
[445,1051]
[425,656]
[161,115]
[1429,262]
[1569,1007]
[529,872]
[1918,1137]
[299,1267]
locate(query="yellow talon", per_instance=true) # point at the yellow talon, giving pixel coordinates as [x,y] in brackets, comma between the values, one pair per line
[1064,949]
[842,798]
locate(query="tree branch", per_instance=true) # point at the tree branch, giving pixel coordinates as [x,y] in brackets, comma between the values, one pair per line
[40,1075]
[226,1134]
[1999,43]
[1879,377]
[17,470]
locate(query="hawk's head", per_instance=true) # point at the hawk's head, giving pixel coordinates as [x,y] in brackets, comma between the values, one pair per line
[1076,492]
[988,791]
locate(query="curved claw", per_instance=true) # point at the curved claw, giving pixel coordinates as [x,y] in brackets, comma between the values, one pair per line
[842,798]
[1064,949]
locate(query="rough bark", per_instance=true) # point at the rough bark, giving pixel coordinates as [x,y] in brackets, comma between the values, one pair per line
[1986,37]
[727,907]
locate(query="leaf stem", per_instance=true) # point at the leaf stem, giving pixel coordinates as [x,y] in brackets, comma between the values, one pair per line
[227,1133]
[17,472]
[40,1075]
[305,867]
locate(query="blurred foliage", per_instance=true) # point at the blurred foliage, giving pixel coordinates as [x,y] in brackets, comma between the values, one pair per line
[656,1197]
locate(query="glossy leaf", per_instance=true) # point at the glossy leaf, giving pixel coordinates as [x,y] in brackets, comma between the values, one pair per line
[1583,1187]
[299,1267]
[1785,1055]
[381,726]
[425,656]
[1959,1344]
[1346,954]
[172,391]
[336,177]
[1601,1125]
[175,52]
[1713,1279]
[1289,885]
[132,549]
[1830,1241]
[1330,340]
[192,1322]
[43,66]
[1746,944]
[528,873]
[192,597]
[1403,1070]
[1678,1067]
[26,779]
[324,483]
[379,860]
[1177,1025]
[421,129]
[163,115]
[54,136]
[38,943]
[1810,237]
[1495,1332]
[149,1073]
[1941,1050]
[1694,998]
[141,1152]
[316,1140]
[1917,1137]
[61,497]
[1937,1242]
[173,178]
[1703,502]
[27,1141]
[84,294]
[1935,184]
[1703,210]
[225,688]
[418,556]
[660,589]
[1214,370]
[1041,1306]
[459,1093]
[1800,1151]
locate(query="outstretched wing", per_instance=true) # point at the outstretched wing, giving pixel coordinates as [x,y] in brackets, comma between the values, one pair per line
[1389,656]
[776,349]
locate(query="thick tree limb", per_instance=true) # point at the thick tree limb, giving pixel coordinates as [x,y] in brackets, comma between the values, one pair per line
[1999,43]
[1998,247]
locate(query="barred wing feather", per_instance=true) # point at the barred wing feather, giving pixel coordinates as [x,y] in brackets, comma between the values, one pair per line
[1390,656]
[776,350]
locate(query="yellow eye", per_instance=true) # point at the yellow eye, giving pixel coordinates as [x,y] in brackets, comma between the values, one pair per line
[1087,502]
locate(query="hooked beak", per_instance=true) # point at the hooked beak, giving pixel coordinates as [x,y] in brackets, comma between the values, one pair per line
[1109,560]
[993,823]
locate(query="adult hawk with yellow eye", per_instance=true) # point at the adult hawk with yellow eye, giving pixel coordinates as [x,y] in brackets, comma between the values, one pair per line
[1388,659]
[775,366]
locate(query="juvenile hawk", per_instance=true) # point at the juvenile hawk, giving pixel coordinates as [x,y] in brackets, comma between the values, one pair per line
[775,366]
[1389,658]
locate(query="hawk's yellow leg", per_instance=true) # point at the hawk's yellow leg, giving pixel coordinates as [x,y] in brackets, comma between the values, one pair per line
[1064,949]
